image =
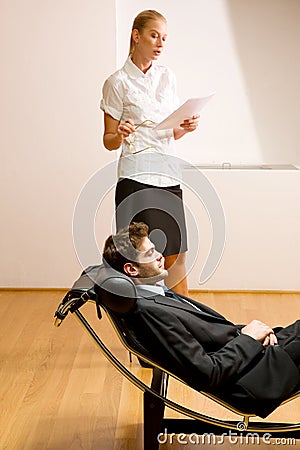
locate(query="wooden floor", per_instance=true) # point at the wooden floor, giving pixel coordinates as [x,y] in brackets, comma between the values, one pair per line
[58,392]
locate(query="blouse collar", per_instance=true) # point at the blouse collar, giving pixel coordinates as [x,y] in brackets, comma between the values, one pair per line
[133,70]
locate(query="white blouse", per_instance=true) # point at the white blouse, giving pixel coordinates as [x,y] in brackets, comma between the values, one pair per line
[146,99]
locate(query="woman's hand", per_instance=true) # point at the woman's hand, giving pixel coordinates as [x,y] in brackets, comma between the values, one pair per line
[187,126]
[115,131]
[126,128]
[191,124]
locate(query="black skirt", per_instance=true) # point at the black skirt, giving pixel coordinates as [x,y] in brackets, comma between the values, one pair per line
[161,208]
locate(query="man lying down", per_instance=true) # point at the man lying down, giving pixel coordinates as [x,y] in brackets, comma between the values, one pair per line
[253,367]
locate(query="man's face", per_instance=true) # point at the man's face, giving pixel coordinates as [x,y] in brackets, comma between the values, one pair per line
[150,263]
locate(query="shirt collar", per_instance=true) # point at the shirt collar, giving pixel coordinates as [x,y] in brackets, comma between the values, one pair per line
[133,71]
[154,289]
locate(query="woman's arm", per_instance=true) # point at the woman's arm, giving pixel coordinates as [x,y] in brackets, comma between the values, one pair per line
[115,132]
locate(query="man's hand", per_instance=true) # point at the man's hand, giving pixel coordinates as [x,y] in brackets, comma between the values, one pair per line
[260,332]
[270,340]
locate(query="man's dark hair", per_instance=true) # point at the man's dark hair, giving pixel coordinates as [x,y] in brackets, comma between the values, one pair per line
[121,247]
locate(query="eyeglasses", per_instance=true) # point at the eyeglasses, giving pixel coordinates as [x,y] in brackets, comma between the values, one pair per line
[130,140]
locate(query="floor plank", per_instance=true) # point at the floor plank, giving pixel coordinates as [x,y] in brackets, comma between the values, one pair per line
[58,392]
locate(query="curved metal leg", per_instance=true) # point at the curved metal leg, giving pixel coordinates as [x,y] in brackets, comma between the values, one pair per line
[153,417]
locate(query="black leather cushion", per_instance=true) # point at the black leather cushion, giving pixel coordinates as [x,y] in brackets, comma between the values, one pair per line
[114,290]
[86,281]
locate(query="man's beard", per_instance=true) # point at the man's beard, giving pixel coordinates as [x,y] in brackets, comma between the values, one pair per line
[151,279]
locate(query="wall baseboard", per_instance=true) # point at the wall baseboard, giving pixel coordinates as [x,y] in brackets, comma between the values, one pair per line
[191,291]
[239,291]
[33,289]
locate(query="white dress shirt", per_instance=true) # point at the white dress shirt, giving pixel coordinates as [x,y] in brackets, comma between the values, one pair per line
[153,288]
[146,99]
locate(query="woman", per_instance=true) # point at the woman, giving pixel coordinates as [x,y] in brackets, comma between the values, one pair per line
[135,98]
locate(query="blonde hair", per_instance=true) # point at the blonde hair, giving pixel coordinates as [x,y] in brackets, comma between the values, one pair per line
[141,21]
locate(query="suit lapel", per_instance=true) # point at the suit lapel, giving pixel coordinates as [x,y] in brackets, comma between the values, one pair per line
[203,310]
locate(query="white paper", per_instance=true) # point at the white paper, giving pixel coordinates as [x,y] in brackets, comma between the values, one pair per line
[188,109]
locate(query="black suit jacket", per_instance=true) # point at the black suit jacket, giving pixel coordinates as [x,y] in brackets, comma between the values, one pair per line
[210,354]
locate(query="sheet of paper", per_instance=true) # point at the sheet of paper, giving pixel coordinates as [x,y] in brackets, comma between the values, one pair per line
[188,109]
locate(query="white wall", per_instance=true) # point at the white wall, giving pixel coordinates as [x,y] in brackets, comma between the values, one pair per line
[55,56]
